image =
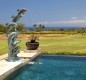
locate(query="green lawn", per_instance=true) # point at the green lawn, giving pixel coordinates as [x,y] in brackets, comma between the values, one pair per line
[3,47]
[67,44]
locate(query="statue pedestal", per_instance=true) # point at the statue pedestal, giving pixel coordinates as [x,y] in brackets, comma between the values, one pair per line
[33,51]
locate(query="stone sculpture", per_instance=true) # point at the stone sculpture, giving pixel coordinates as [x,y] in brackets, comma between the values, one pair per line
[12,42]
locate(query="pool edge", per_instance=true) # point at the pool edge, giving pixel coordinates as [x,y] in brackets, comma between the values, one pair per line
[4,74]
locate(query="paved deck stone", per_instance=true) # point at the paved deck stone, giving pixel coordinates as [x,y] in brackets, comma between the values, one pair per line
[3,56]
[6,68]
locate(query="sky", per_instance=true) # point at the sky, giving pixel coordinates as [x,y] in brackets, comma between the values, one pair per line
[47,12]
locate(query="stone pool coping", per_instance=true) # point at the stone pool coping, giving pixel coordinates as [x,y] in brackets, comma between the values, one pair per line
[7,68]
[63,55]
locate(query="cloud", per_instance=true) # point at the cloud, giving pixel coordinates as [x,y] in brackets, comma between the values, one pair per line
[74,18]
[68,22]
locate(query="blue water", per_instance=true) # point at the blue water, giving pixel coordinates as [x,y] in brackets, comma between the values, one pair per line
[53,68]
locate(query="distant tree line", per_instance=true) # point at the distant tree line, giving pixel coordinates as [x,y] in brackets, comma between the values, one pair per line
[81,30]
[41,29]
[38,28]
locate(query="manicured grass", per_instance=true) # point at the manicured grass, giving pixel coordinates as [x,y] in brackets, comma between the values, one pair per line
[67,44]
[3,47]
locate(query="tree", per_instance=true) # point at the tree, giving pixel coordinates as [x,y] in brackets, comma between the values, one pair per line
[40,27]
[2,28]
[61,29]
[20,27]
[35,25]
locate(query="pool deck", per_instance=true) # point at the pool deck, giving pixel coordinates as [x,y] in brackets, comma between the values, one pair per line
[7,68]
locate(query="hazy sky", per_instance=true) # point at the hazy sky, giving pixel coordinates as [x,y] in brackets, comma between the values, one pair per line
[47,12]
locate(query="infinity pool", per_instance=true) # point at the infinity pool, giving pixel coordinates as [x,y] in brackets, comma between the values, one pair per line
[52,68]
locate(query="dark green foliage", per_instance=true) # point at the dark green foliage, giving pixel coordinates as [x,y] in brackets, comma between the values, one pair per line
[39,27]
[2,28]
[20,27]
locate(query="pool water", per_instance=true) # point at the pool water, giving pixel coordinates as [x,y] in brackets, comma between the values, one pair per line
[52,68]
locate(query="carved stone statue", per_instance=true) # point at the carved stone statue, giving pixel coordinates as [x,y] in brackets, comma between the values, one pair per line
[12,42]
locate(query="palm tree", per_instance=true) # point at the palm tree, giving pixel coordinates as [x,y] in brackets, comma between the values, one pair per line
[41,27]
[35,25]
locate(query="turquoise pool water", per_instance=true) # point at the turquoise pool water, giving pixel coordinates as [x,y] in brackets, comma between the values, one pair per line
[52,68]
